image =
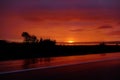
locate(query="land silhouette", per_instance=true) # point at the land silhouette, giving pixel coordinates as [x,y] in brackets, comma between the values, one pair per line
[31,47]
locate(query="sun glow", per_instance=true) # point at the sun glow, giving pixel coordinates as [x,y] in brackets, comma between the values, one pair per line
[70,41]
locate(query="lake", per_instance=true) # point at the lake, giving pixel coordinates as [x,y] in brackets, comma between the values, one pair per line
[13,65]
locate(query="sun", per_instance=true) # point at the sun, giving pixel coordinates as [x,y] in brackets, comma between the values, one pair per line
[70,41]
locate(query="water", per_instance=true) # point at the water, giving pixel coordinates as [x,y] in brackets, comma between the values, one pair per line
[86,43]
[78,43]
[13,65]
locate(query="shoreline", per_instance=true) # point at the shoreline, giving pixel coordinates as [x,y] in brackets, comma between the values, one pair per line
[26,51]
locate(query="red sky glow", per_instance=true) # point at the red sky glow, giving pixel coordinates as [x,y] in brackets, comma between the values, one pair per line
[61,20]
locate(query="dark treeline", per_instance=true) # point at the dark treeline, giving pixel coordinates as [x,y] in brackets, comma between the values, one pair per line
[33,48]
[32,39]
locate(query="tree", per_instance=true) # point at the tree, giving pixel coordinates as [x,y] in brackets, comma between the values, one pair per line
[47,42]
[34,39]
[26,36]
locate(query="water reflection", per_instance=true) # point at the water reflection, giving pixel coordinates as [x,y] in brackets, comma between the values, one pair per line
[104,54]
[27,63]
[46,60]
[54,61]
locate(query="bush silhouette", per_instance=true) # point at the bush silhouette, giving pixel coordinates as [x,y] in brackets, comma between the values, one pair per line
[33,39]
[28,38]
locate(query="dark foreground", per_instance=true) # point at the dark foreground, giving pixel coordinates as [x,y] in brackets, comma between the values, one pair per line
[23,51]
[105,70]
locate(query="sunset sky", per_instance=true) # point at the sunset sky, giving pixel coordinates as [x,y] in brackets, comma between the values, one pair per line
[61,20]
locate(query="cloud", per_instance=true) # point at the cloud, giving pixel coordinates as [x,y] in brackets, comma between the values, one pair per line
[105,27]
[114,33]
[118,23]
[63,9]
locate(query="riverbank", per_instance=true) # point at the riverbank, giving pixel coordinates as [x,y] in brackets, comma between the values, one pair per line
[23,51]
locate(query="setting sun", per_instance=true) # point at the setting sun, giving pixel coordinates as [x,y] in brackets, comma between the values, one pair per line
[70,41]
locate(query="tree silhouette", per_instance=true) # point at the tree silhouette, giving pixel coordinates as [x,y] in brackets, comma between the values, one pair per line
[47,42]
[34,39]
[26,36]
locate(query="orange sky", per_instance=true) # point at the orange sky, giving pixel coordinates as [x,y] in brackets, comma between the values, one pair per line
[79,21]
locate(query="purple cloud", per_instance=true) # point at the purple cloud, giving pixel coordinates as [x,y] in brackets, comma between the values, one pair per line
[105,27]
[115,33]
[63,4]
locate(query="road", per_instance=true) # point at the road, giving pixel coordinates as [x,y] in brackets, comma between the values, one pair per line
[102,70]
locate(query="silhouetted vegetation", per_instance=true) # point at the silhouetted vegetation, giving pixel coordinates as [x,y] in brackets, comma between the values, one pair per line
[29,38]
[102,44]
[33,39]
[32,48]
[47,42]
